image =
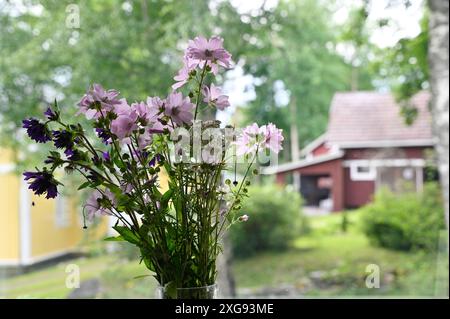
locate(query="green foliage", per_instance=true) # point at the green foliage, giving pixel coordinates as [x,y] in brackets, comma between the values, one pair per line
[134,46]
[405,221]
[294,47]
[274,220]
[405,68]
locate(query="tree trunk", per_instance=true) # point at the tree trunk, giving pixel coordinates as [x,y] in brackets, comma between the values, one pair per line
[295,147]
[438,62]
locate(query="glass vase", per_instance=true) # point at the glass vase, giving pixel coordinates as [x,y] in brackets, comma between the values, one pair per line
[205,292]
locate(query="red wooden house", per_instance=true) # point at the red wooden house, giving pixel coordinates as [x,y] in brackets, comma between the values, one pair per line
[367,145]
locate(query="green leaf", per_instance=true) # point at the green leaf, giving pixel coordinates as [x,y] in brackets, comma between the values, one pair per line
[84,185]
[127,234]
[166,197]
[141,276]
[112,238]
[147,261]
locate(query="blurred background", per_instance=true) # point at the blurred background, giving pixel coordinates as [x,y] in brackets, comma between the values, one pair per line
[356,206]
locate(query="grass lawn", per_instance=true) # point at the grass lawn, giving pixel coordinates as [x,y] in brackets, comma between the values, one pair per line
[326,262]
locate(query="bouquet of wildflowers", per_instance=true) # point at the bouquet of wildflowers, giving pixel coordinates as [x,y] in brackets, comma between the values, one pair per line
[177,226]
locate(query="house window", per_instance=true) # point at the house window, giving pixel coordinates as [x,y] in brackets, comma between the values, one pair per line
[360,172]
[62,217]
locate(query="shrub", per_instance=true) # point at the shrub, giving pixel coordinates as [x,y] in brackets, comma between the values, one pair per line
[405,221]
[274,220]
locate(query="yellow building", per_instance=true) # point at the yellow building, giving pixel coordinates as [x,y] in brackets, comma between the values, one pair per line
[32,228]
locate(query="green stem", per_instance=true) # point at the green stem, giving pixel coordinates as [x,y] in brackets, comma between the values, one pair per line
[202,77]
[239,190]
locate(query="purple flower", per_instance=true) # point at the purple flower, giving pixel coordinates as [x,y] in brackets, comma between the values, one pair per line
[97,102]
[209,50]
[49,114]
[69,153]
[156,159]
[63,139]
[104,135]
[179,109]
[106,156]
[36,130]
[213,95]
[41,183]
[94,205]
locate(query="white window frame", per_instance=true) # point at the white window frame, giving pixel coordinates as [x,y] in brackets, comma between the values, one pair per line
[356,175]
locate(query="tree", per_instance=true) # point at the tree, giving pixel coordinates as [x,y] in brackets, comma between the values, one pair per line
[418,63]
[356,35]
[438,62]
[405,68]
[294,50]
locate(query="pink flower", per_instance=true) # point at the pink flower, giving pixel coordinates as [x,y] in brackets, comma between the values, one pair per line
[97,101]
[181,78]
[179,109]
[125,123]
[247,142]
[183,75]
[93,206]
[142,110]
[155,112]
[148,113]
[127,188]
[122,107]
[144,139]
[254,138]
[209,50]
[273,137]
[155,103]
[213,95]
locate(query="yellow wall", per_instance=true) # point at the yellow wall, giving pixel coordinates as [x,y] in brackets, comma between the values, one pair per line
[9,217]
[6,156]
[47,236]
[9,211]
